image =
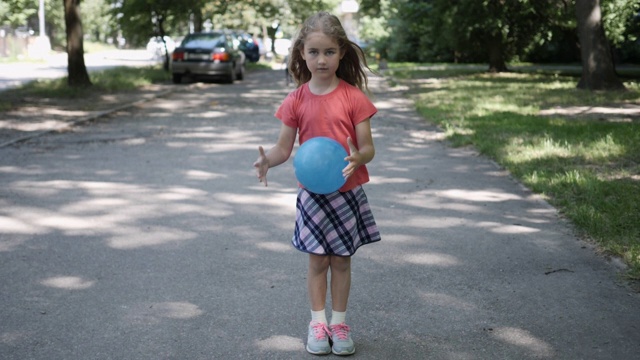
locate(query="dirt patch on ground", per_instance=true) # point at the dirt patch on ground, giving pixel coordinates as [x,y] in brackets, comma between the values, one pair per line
[29,116]
[619,113]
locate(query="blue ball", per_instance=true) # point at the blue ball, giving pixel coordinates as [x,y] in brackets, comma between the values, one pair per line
[318,165]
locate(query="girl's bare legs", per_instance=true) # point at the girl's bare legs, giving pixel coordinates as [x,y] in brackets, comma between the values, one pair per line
[340,282]
[340,286]
[317,342]
[318,336]
[317,281]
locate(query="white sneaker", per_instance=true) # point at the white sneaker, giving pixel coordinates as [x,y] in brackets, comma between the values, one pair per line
[342,343]
[318,338]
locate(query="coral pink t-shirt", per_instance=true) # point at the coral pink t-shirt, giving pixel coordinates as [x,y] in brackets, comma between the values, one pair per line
[333,115]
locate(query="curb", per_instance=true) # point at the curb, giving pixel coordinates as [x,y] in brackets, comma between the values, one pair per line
[86,119]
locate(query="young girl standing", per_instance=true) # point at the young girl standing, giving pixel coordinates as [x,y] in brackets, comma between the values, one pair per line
[329,71]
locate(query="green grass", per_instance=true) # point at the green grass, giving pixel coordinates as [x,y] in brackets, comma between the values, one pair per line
[586,166]
[118,79]
[261,65]
[13,59]
[110,81]
[107,81]
[115,80]
[94,47]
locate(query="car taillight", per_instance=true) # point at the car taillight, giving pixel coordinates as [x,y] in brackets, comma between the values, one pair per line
[177,56]
[221,56]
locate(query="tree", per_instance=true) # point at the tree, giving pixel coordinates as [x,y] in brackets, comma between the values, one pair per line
[17,12]
[76,68]
[271,17]
[140,19]
[497,30]
[491,31]
[143,19]
[24,13]
[598,71]
[99,27]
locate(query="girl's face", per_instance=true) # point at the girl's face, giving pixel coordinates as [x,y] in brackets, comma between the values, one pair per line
[322,55]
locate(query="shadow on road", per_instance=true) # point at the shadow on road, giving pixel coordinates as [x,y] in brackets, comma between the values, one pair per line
[146,235]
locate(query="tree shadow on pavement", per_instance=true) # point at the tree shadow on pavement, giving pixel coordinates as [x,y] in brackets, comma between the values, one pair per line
[147,235]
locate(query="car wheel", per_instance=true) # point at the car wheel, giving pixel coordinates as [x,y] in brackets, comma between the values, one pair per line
[231,76]
[177,78]
[240,74]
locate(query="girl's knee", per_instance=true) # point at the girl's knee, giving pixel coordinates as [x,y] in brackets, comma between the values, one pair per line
[319,264]
[340,263]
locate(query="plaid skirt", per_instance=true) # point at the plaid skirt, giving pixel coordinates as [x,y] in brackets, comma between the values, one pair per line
[333,224]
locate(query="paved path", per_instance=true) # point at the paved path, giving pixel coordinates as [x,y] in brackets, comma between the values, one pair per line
[145,235]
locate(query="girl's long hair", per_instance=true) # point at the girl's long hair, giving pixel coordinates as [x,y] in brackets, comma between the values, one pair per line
[352,65]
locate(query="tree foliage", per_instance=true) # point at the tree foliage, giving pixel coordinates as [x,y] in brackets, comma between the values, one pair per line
[618,17]
[141,19]
[17,12]
[490,31]
[97,26]
[23,14]
[477,30]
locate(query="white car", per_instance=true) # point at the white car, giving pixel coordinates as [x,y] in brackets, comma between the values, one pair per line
[282,46]
[156,47]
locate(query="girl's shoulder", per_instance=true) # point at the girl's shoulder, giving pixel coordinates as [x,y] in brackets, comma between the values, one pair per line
[298,92]
[346,87]
[350,88]
[352,91]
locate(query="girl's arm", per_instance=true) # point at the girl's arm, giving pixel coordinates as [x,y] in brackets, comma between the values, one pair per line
[277,154]
[365,151]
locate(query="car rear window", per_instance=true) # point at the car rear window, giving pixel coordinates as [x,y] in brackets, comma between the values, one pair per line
[195,41]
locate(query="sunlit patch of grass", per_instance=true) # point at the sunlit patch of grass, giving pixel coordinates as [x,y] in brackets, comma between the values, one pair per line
[95,47]
[586,167]
[107,81]
[129,78]
[261,65]
[55,88]
[110,81]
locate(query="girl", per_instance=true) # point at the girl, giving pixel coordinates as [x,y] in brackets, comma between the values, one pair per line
[329,71]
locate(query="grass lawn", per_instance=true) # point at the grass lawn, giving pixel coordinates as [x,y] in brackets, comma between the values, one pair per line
[116,80]
[579,149]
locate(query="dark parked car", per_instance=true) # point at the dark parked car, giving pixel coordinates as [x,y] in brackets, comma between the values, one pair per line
[208,55]
[248,45]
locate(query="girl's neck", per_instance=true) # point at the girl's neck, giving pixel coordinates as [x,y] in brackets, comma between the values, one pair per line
[321,87]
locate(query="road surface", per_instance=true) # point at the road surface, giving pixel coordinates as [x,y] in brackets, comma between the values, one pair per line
[146,235]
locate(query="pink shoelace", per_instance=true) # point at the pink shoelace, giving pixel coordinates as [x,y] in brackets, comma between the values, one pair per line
[341,331]
[320,330]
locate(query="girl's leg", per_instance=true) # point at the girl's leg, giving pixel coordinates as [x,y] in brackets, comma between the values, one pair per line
[340,287]
[340,282]
[317,281]
[318,336]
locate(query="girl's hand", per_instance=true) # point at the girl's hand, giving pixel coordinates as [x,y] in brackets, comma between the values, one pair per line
[354,160]
[262,166]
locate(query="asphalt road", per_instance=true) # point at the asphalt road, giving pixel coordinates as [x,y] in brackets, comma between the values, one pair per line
[145,235]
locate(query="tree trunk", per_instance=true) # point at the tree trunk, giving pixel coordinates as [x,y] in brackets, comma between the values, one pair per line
[165,62]
[598,71]
[496,55]
[77,70]
[197,20]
